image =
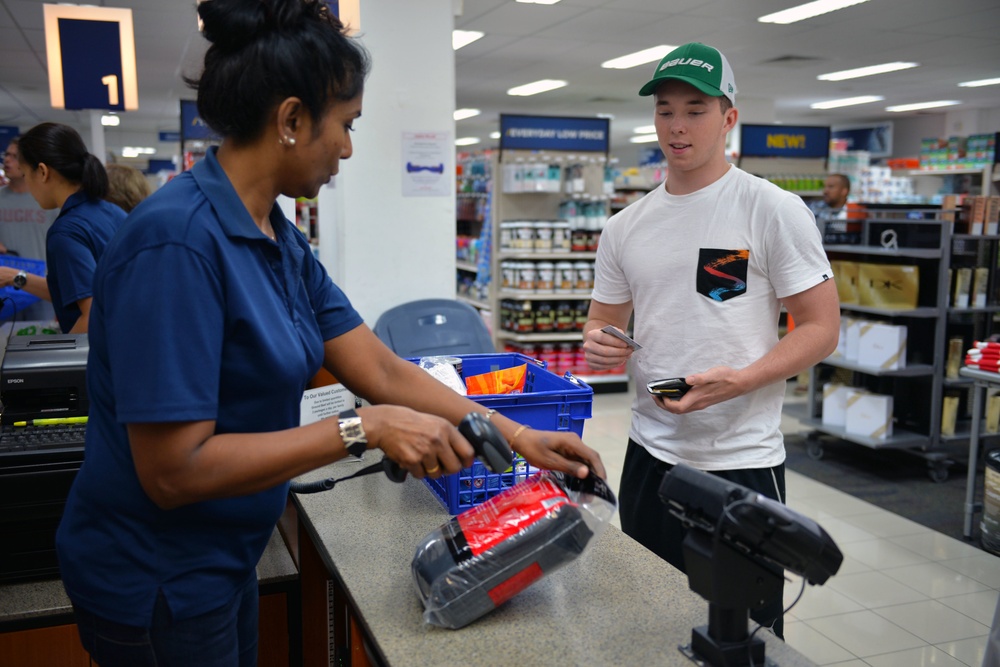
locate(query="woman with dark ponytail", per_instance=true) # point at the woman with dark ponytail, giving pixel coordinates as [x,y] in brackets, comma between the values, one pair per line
[210,317]
[61,173]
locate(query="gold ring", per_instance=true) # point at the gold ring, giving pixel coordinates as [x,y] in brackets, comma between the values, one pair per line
[431,471]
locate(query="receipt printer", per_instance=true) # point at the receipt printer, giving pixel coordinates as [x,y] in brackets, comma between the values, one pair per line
[44,376]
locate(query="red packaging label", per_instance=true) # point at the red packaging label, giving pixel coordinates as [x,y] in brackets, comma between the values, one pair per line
[511,587]
[507,514]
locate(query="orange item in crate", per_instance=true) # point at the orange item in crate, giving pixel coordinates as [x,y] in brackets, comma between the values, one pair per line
[504,381]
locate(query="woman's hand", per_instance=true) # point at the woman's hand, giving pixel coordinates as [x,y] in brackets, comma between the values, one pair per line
[425,445]
[7,276]
[560,451]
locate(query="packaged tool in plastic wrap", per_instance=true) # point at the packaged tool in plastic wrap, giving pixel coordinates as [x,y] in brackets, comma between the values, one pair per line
[489,553]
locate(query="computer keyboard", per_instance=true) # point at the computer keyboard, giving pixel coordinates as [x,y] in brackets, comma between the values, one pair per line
[28,440]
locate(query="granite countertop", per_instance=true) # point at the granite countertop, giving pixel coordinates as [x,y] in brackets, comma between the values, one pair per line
[617,599]
[36,600]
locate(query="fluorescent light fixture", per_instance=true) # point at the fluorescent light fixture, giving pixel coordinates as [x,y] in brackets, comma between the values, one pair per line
[643,138]
[466,141]
[136,151]
[645,129]
[462,114]
[494,135]
[638,58]
[866,71]
[846,102]
[536,87]
[538,2]
[923,105]
[807,11]
[460,38]
[980,82]
[111,120]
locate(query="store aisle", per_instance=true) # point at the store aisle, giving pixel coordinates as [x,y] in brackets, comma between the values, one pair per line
[906,596]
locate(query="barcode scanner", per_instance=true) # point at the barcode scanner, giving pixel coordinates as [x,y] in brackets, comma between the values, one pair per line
[489,444]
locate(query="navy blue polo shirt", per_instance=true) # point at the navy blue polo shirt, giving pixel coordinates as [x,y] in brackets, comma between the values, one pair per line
[196,316]
[73,245]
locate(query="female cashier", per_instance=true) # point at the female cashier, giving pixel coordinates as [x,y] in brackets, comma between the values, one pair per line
[60,173]
[210,316]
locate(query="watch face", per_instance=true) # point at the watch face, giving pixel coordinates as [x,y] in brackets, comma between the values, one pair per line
[20,280]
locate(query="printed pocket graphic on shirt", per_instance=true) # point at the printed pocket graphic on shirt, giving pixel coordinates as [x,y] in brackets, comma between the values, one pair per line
[722,274]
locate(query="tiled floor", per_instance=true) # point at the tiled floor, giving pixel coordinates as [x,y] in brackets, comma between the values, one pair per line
[905,596]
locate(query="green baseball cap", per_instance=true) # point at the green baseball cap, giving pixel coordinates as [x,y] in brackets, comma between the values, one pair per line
[702,66]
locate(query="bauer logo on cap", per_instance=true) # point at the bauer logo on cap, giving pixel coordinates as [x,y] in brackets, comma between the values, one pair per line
[702,66]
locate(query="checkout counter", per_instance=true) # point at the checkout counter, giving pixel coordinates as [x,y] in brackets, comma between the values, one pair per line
[618,602]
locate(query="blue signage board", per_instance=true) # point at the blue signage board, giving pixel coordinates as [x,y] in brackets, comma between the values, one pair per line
[799,141]
[167,137]
[7,132]
[554,133]
[192,126]
[651,156]
[876,139]
[91,62]
[156,166]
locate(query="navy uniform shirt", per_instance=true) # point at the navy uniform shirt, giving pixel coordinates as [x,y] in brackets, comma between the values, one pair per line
[73,246]
[196,316]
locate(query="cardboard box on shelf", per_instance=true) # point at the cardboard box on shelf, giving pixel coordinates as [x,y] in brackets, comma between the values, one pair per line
[890,286]
[963,286]
[956,351]
[992,412]
[980,278]
[845,276]
[949,415]
[868,415]
[835,403]
[977,217]
[853,339]
[991,224]
[882,346]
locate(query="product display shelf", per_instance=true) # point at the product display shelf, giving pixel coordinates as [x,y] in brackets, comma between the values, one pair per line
[924,237]
[584,180]
[472,228]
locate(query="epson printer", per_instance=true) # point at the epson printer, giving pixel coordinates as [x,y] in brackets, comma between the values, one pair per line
[41,377]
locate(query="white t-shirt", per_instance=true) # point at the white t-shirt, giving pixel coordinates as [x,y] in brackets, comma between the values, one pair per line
[705,273]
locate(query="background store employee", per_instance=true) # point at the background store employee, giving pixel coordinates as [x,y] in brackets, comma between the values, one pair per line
[210,317]
[62,174]
[704,263]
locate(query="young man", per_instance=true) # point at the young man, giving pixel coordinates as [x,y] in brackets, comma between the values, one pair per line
[704,264]
[23,225]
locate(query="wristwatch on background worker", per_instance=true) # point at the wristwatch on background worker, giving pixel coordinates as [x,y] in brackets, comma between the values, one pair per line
[20,280]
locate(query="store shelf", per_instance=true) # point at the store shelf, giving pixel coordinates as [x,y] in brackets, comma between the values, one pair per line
[900,439]
[466,266]
[916,370]
[946,172]
[603,379]
[918,253]
[476,303]
[563,337]
[546,256]
[545,296]
[925,312]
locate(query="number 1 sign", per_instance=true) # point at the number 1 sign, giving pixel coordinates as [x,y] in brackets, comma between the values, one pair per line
[91,54]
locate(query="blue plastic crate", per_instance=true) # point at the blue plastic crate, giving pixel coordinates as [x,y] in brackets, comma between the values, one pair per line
[14,301]
[549,402]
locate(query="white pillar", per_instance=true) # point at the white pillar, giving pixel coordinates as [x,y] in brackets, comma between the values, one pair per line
[383,248]
[97,135]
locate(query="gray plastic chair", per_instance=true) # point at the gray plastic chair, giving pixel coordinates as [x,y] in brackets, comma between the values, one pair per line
[428,327]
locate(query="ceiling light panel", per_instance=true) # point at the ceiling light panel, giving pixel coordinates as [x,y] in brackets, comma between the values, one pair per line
[899,108]
[808,11]
[462,114]
[638,58]
[460,38]
[536,87]
[979,83]
[866,71]
[846,102]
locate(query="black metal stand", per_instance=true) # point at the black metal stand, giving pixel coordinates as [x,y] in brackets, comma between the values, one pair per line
[733,585]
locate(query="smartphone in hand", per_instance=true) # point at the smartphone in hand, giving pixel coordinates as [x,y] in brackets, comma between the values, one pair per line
[620,336]
[669,388]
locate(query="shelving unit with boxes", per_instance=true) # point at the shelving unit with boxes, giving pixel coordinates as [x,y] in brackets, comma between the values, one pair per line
[474,195]
[910,307]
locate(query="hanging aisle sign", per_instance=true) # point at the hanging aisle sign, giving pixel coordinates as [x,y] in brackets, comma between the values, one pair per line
[554,133]
[91,54]
[784,141]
